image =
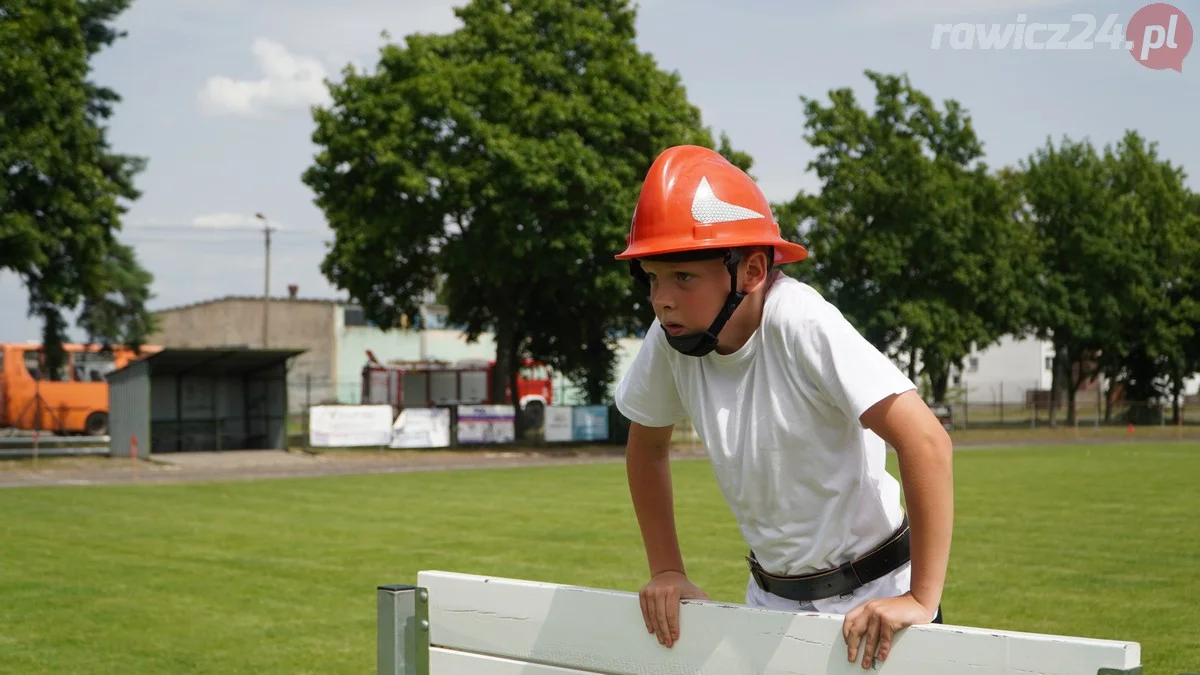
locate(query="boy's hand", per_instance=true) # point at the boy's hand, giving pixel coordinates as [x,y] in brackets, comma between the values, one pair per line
[660,604]
[872,625]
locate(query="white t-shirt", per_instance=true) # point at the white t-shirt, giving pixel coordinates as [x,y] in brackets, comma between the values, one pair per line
[779,418]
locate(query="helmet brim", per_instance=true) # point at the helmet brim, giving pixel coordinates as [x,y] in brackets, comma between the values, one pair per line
[785,251]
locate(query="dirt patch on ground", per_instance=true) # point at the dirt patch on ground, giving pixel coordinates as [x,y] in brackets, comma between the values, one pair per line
[297,463]
[256,465]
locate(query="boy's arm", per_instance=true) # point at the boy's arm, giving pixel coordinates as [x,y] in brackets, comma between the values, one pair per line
[647,463]
[648,397]
[648,467]
[924,451]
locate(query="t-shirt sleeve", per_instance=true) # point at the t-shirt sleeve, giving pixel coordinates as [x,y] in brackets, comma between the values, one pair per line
[647,393]
[851,373]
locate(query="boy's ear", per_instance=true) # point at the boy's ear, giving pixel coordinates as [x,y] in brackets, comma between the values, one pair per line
[755,270]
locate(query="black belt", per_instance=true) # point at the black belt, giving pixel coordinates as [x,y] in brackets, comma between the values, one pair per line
[886,558]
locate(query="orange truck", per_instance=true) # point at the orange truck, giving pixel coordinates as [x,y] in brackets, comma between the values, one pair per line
[71,401]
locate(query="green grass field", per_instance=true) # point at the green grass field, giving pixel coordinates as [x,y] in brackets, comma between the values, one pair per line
[280,576]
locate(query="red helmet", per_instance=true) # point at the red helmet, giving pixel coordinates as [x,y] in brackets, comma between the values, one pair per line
[693,199]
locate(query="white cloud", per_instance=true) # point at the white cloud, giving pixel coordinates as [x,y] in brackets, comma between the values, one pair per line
[289,81]
[229,220]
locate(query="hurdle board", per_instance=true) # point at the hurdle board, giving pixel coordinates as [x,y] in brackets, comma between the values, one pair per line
[463,624]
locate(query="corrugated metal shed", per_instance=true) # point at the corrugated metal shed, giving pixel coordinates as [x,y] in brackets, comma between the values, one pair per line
[129,409]
[200,399]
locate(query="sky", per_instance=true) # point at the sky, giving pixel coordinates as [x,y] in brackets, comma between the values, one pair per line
[217,96]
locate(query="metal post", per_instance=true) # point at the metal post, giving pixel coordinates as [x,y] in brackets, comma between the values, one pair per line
[403,630]
[266,277]
[424,348]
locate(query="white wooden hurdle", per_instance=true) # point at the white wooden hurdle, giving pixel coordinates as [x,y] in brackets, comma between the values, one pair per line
[463,624]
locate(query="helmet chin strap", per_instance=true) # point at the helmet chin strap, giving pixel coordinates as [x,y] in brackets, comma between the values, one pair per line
[701,344]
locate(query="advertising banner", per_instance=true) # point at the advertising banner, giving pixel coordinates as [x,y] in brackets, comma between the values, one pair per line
[421,428]
[486,424]
[589,423]
[558,426]
[349,426]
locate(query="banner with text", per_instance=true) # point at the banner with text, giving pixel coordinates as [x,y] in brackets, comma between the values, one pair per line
[558,424]
[486,424]
[349,426]
[421,428]
[589,423]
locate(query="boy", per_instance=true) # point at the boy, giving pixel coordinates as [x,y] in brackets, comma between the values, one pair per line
[793,407]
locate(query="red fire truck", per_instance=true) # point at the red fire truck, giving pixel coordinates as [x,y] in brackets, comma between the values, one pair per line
[429,383]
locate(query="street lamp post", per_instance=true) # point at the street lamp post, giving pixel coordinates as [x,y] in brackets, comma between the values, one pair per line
[266,276]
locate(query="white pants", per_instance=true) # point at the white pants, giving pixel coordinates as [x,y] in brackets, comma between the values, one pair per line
[897,583]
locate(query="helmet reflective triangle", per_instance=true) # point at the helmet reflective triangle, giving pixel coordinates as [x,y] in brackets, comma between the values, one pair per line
[708,208]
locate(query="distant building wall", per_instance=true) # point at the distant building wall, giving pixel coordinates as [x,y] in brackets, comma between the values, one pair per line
[399,345]
[294,323]
[444,344]
[1005,371]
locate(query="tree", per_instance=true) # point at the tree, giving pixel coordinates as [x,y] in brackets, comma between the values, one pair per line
[120,316]
[910,234]
[506,158]
[1152,350]
[1119,238]
[1088,241]
[60,184]
[1185,294]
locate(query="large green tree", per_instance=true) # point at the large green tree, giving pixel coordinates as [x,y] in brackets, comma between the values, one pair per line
[1118,289]
[1186,295]
[1153,345]
[61,185]
[505,158]
[911,235]
[1088,254]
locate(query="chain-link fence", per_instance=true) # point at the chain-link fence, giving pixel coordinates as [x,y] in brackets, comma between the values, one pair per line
[968,415]
[1000,406]
[1015,404]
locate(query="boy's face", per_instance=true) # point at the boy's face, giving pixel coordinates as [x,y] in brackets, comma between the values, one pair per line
[687,296]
